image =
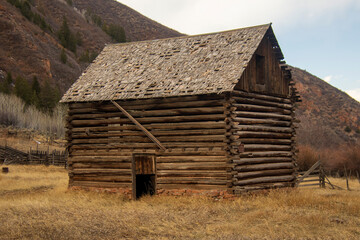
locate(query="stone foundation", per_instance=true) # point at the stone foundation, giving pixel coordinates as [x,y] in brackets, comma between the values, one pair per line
[127,192]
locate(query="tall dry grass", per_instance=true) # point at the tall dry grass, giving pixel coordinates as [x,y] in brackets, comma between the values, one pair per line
[14,112]
[45,209]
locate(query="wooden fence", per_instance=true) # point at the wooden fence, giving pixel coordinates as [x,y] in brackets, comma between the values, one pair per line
[315,176]
[9,155]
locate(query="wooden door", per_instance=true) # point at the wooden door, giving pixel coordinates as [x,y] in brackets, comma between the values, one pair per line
[144,175]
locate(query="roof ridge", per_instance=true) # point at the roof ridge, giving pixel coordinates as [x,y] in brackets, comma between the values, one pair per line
[189,36]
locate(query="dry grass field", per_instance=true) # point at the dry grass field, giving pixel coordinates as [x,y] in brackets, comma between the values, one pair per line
[35,204]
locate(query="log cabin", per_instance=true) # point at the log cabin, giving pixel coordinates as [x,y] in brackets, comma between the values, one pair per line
[206,113]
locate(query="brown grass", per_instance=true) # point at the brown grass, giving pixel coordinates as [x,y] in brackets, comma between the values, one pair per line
[25,139]
[35,204]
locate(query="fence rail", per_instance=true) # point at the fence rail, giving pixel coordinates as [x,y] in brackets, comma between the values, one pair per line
[313,177]
[9,155]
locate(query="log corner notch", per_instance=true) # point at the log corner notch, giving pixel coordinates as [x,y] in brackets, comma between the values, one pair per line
[141,127]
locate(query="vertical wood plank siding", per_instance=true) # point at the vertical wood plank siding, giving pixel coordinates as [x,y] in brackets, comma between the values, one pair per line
[274,82]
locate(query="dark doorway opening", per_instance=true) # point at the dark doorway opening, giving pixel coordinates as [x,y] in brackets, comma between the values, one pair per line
[144,175]
[145,185]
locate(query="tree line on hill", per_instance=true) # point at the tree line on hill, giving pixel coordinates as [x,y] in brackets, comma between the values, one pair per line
[44,98]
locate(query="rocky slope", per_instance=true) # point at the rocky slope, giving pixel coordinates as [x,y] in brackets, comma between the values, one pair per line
[329,117]
[27,50]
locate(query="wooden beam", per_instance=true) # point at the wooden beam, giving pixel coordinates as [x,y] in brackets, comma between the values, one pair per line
[152,137]
[317,164]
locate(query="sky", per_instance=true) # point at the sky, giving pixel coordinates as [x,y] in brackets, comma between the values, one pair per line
[320,36]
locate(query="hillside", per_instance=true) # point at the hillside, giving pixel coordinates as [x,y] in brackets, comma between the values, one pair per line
[29,49]
[329,117]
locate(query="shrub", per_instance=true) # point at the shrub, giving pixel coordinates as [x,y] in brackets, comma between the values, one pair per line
[116,32]
[63,56]
[307,157]
[347,129]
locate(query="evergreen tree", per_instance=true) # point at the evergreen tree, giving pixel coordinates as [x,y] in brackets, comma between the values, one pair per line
[35,86]
[66,37]
[49,97]
[116,32]
[5,86]
[23,90]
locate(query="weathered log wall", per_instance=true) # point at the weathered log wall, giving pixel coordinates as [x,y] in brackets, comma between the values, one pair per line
[239,141]
[102,141]
[264,126]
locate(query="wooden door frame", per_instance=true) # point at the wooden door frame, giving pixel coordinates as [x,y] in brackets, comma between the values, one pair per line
[133,171]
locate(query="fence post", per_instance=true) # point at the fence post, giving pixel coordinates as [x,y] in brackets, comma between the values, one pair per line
[322,177]
[347,180]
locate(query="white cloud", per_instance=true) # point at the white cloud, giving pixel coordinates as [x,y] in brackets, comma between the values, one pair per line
[354,93]
[201,16]
[328,78]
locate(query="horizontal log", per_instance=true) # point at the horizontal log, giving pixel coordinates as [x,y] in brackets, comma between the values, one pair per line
[257,128]
[256,108]
[267,166]
[261,96]
[92,158]
[152,113]
[175,152]
[266,141]
[183,159]
[191,166]
[266,154]
[158,126]
[260,102]
[140,106]
[100,171]
[145,120]
[266,147]
[101,165]
[144,139]
[191,173]
[123,179]
[262,115]
[191,186]
[193,180]
[261,121]
[100,184]
[245,134]
[120,133]
[147,145]
[137,102]
[287,178]
[243,161]
[254,174]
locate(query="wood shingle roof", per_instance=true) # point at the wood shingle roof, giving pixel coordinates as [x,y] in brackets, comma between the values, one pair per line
[191,65]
